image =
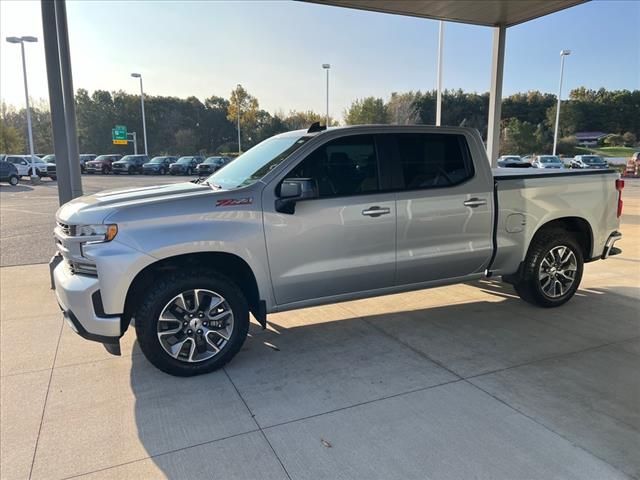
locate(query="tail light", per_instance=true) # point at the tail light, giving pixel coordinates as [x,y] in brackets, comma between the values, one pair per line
[619,188]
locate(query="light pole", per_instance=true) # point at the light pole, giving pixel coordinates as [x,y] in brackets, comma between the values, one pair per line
[327,67]
[21,41]
[144,122]
[439,86]
[238,87]
[563,53]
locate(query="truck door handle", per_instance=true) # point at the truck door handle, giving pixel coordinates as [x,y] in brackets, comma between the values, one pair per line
[475,202]
[376,211]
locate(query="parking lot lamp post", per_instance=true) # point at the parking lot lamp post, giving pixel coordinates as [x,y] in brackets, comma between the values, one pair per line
[563,53]
[327,67]
[21,40]
[238,106]
[144,122]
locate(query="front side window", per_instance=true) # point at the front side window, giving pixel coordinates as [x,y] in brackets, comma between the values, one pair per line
[344,166]
[433,160]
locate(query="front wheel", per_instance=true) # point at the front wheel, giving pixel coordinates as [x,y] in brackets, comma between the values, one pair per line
[192,323]
[552,270]
[189,171]
[162,171]
[14,180]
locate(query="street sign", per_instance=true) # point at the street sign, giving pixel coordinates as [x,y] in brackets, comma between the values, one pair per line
[119,135]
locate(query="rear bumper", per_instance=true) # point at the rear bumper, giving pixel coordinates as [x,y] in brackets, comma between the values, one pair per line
[609,249]
[79,299]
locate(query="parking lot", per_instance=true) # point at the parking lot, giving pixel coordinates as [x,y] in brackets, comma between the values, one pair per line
[465,381]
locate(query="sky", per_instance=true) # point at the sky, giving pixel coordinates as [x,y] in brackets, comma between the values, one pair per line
[276,49]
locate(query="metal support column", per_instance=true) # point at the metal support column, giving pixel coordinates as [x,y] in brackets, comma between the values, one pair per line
[61,99]
[495,94]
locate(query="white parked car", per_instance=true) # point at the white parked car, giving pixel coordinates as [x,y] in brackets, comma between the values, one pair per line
[547,161]
[23,165]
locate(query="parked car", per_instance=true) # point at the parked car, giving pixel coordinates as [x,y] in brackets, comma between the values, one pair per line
[547,161]
[102,163]
[589,161]
[129,164]
[632,168]
[23,165]
[305,218]
[158,165]
[512,161]
[84,158]
[185,165]
[9,173]
[212,164]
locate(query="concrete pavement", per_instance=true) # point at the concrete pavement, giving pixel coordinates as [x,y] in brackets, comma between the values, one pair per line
[455,382]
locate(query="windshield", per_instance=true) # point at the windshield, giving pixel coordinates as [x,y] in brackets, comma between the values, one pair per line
[213,160]
[185,160]
[49,158]
[127,158]
[158,160]
[255,163]
[103,158]
[593,160]
[550,160]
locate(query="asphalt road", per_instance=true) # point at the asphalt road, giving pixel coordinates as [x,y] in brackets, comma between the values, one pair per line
[27,214]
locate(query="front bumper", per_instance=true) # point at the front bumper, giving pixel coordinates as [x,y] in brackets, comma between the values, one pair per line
[79,299]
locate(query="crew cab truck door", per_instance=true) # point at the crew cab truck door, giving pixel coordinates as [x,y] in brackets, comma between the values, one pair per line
[445,207]
[341,242]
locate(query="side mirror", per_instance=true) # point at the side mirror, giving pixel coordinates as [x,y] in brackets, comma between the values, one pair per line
[293,190]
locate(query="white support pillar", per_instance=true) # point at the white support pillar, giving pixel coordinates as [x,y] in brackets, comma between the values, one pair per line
[495,94]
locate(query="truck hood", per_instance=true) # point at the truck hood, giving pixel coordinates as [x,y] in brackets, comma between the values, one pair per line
[93,209]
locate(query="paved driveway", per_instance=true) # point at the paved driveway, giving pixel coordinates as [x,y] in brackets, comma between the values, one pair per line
[459,382]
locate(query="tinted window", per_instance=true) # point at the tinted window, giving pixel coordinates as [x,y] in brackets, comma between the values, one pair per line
[433,160]
[345,166]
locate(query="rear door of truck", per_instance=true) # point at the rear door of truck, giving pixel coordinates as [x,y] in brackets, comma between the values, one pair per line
[445,206]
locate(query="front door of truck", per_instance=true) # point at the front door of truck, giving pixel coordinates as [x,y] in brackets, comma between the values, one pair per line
[341,242]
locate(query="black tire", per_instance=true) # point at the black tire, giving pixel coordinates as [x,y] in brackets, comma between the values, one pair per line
[529,287]
[189,172]
[168,286]
[130,171]
[13,180]
[54,178]
[105,170]
[162,171]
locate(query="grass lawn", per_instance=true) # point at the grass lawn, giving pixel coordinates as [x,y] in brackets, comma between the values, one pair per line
[609,151]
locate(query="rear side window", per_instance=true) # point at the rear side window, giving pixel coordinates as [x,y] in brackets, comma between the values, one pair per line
[344,166]
[433,160]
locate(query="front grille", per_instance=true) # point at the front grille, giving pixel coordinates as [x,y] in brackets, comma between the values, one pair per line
[83,269]
[116,166]
[69,230]
[51,168]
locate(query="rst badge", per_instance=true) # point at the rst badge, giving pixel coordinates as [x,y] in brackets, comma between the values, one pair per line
[232,202]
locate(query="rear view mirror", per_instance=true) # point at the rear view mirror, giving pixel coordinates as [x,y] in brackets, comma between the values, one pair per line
[293,190]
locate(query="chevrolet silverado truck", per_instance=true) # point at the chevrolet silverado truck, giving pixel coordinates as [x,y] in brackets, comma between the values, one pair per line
[319,216]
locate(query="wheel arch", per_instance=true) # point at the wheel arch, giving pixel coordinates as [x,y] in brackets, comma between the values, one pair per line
[228,264]
[578,226]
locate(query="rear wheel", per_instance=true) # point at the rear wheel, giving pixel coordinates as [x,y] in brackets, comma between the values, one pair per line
[192,322]
[162,171]
[552,270]
[130,170]
[105,170]
[14,180]
[189,171]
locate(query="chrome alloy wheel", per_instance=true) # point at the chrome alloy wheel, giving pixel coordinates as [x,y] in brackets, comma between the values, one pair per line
[195,325]
[557,272]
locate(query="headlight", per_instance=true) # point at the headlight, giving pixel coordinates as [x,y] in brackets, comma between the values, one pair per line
[107,231]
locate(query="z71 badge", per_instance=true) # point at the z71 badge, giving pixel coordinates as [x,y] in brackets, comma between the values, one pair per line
[232,202]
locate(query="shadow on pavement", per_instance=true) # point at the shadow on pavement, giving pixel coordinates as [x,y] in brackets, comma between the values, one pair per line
[18,188]
[292,372]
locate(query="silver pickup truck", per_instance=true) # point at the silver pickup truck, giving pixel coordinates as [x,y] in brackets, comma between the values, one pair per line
[320,216]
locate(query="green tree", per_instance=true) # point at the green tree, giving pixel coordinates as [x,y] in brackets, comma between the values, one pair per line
[402,108]
[614,140]
[186,141]
[519,138]
[366,111]
[10,139]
